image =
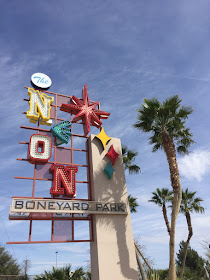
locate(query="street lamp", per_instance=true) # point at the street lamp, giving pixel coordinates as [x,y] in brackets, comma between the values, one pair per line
[56,253]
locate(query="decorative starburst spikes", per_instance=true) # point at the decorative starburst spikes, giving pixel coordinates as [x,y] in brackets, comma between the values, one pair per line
[112,154]
[85,110]
[109,170]
[62,131]
[103,137]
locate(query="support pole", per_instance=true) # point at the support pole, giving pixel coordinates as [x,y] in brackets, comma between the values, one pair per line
[140,266]
[137,248]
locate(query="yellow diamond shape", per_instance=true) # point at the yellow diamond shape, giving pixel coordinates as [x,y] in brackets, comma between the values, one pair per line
[103,137]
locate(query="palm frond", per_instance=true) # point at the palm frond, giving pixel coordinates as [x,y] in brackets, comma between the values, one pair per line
[133,204]
[131,154]
[161,196]
[124,150]
[154,116]
[134,169]
[128,159]
[190,203]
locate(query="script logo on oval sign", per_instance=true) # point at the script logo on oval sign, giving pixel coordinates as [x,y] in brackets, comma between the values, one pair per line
[41,80]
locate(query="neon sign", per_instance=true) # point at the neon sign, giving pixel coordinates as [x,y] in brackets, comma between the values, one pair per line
[62,131]
[64,180]
[85,110]
[39,107]
[41,80]
[55,164]
[40,148]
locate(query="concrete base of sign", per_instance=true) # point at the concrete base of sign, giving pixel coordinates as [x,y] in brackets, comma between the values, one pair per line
[112,251]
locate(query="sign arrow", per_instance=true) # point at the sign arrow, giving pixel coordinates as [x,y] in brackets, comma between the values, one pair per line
[62,131]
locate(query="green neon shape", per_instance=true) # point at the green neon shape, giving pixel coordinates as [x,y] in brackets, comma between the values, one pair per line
[62,131]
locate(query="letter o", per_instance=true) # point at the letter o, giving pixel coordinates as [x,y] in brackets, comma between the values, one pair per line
[28,204]
[40,148]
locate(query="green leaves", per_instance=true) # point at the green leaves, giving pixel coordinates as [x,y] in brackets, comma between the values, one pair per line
[190,203]
[133,204]
[169,116]
[63,273]
[128,159]
[194,263]
[8,265]
[161,196]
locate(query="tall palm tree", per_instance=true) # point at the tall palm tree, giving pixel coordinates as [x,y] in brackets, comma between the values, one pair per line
[166,122]
[160,197]
[189,204]
[128,159]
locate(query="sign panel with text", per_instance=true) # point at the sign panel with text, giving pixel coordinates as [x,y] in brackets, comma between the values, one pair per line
[22,205]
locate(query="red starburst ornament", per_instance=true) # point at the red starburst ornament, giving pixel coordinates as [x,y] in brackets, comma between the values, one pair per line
[85,110]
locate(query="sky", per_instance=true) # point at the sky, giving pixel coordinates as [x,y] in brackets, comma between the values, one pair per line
[124,51]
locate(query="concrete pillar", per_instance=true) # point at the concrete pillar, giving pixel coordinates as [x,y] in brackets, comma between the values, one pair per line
[112,251]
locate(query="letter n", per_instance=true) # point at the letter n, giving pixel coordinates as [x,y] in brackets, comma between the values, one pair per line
[64,180]
[40,105]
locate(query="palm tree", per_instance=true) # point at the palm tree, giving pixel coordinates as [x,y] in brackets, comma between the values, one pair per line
[160,197]
[128,159]
[166,122]
[56,273]
[189,204]
[63,273]
[132,203]
[79,274]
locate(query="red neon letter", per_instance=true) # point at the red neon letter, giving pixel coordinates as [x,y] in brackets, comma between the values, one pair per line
[64,180]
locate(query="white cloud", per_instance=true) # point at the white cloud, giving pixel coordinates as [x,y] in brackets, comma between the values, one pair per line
[195,165]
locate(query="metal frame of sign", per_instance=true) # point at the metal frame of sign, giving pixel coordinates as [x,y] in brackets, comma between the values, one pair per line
[51,216]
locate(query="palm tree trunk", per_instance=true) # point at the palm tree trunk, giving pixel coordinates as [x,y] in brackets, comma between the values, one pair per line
[170,151]
[166,218]
[175,207]
[137,248]
[140,266]
[190,233]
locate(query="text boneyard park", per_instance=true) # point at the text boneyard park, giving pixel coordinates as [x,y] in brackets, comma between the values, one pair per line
[63,206]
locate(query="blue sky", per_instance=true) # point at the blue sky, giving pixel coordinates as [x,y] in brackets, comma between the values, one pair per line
[125,51]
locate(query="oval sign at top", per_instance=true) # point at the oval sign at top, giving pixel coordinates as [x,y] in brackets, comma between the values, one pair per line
[41,80]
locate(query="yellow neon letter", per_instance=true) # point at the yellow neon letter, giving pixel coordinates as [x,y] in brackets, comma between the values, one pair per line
[40,105]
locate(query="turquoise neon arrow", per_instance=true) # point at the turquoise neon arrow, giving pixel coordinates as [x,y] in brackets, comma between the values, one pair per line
[62,131]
